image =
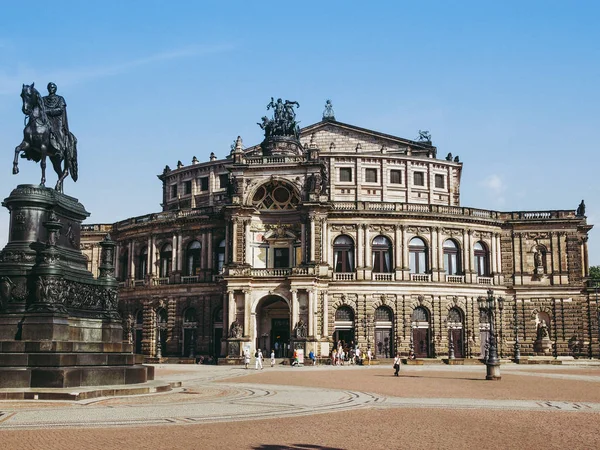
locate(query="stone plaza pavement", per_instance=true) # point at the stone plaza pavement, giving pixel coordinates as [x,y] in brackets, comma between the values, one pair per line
[326,407]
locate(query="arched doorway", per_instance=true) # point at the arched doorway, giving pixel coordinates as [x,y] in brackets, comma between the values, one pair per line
[161,313]
[190,324]
[456,333]
[343,326]
[273,326]
[420,332]
[383,332]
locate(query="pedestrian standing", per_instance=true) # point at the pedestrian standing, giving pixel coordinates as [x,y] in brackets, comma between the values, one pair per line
[259,359]
[397,364]
[247,357]
[369,356]
[272,358]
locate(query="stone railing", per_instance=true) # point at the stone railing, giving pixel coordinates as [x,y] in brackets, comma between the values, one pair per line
[455,279]
[160,281]
[420,277]
[485,280]
[137,283]
[270,272]
[451,210]
[382,276]
[263,160]
[344,276]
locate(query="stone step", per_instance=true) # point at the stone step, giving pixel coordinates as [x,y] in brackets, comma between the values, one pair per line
[65,359]
[64,346]
[63,377]
[85,393]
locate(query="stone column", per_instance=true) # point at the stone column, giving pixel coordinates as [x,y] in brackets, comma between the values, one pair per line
[368,256]
[227,242]
[209,250]
[118,261]
[324,242]
[397,247]
[465,256]
[294,307]
[405,259]
[131,262]
[247,314]
[234,242]
[303,242]
[312,239]
[325,315]
[226,321]
[359,247]
[247,242]
[174,246]
[231,307]
[311,313]
[179,252]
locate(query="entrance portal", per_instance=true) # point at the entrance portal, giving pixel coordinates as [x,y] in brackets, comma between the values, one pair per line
[421,337]
[273,326]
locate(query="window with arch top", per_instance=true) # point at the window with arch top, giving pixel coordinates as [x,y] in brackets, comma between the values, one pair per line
[482,267]
[451,257]
[343,254]
[275,195]
[166,260]
[381,254]
[192,258]
[417,255]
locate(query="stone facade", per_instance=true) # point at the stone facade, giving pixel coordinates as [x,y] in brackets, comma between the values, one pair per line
[362,238]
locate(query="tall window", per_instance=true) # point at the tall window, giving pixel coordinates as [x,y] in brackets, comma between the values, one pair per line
[343,254]
[481,259]
[204,184]
[419,179]
[371,175]
[346,174]
[439,181]
[221,256]
[192,258]
[142,266]
[166,258]
[451,258]
[187,187]
[382,254]
[223,180]
[174,191]
[395,176]
[417,255]
[123,265]
[281,257]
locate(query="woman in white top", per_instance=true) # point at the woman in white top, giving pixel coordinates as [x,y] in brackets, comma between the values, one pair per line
[246,358]
[397,362]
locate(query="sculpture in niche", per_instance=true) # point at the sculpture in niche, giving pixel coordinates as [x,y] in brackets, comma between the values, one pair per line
[235,331]
[300,329]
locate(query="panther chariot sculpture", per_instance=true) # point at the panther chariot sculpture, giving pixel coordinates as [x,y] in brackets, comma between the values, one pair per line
[47,135]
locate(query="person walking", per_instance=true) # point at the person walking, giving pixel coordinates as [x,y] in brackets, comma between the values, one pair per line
[397,363]
[247,358]
[311,355]
[272,358]
[369,356]
[259,359]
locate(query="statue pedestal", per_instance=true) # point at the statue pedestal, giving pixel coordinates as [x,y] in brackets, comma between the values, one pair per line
[59,326]
[543,346]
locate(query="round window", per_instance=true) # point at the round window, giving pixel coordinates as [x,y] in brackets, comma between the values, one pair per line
[281,195]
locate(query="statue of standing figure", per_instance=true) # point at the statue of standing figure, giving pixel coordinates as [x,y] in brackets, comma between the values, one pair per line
[284,119]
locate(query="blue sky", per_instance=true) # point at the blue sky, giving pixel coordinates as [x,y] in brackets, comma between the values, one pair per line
[510,87]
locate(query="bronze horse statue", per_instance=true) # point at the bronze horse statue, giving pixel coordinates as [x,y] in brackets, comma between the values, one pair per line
[40,140]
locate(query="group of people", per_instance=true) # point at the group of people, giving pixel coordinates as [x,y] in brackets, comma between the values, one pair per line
[351,355]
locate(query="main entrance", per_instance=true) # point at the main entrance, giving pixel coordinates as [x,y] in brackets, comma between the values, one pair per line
[420,332]
[273,326]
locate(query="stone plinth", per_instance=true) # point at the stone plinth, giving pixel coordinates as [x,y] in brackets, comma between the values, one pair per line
[59,326]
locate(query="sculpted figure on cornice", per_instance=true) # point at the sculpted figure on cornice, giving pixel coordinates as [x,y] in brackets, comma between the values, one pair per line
[382,228]
[536,235]
[452,232]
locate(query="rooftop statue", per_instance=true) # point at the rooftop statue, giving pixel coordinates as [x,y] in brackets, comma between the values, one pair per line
[47,134]
[424,136]
[581,209]
[284,119]
[328,114]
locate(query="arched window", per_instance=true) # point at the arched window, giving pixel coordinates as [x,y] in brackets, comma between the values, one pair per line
[275,195]
[192,258]
[344,314]
[142,266]
[382,254]
[221,256]
[343,254]
[420,314]
[451,258]
[189,316]
[481,259]
[123,265]
[417,255]
[166,260]
[383,314]
[454,317]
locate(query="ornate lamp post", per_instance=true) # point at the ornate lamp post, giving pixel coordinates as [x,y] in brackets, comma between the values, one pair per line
[158,343]
[501,308]
[517,345]
[451,344]
[488,306]
[193,344]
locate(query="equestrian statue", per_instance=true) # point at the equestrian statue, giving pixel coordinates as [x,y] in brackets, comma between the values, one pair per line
[47,134]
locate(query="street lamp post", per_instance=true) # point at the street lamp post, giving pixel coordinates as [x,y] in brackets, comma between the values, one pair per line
[517,345]
[158,343]
[488,306]
[451,345]
[193,344]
